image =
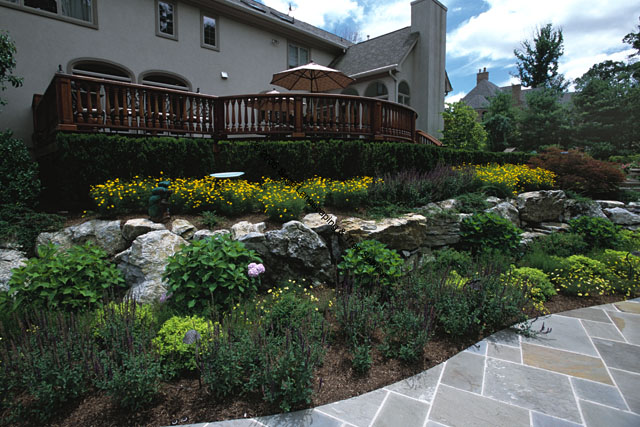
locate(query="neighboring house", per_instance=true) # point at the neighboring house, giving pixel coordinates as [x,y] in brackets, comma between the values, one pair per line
[478,98]
[217,47]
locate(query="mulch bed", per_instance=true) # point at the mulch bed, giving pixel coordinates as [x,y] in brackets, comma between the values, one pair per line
[183,402]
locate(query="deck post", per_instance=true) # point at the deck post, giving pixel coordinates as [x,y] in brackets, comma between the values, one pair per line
[64,103]
[376,121]
[297,111]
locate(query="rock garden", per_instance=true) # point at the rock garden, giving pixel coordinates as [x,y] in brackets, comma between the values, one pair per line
[332,288]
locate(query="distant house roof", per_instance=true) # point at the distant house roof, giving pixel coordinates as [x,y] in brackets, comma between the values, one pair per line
[379,53]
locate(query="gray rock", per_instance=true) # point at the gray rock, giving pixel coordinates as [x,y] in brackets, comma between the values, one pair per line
[294,252]
[443,230]
[508,211]
[553,227]
[139,226]
[321,223]
[205,234]
[610,204]
[9,259]
[144,262]
[245,227]
[183,228]
[493,201]
[574,209]
[529,236]
[541,206]
[448,204]
[105,234]
[403,233]
[622,216]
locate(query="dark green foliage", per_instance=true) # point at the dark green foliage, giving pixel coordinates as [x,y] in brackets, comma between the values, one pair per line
[358,313]
[500,121]
[209,271]
[7,64]
[361,362]
[371,263]
[537,62]
[83,160]
[538,258]
[19,183]
[210,219]
[544,121]
[579,172]
[560,244]
[472,202]
[76,279]
[598,232]
[22,225]
[461,127]
[291,311]
[450,259]
[488,230]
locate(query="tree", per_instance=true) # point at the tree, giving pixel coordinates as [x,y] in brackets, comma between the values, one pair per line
[634,40]
[500,121]
[7,64]
[537,62]
[461,127]
[544,121]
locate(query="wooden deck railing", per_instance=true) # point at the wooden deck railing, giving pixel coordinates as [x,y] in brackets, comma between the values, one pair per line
[85,104]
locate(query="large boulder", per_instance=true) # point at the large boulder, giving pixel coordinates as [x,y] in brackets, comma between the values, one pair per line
[139,226]
[144,263]
[609,204]
[574,209]
[403,233]
[207,234]
[293,252]
[183,228]
[443,230]
[245,227]
[622,216]
[9,259]
[105,234]
[327,227]
[508,211]
[541,206]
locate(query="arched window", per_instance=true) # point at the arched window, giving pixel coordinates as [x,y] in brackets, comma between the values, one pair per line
[404,95]
[350,91]
[164,79]
[101,69]
[377,90]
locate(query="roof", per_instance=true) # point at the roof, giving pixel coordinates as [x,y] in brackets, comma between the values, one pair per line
[380,52]
[479,95]
[284,20]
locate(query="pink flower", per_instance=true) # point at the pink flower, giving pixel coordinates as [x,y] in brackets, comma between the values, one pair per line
[254,270]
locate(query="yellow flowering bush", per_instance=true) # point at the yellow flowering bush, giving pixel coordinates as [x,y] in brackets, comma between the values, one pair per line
[517,177]
[583,277]
[624,269]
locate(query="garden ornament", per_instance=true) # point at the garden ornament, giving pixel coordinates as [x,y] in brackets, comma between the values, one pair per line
[159,202]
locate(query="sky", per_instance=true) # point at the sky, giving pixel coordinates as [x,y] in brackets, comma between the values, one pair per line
[484,33]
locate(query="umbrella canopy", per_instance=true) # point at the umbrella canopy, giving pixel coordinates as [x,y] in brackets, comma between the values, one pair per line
[312,77]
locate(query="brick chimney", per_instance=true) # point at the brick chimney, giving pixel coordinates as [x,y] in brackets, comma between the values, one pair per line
[515,94]
[482,75]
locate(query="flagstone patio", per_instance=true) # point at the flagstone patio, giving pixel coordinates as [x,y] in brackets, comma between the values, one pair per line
[585,372]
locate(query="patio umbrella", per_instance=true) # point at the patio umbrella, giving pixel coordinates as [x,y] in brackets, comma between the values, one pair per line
[312,77]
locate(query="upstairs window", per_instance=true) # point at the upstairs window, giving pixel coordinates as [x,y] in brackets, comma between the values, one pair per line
[298,56]
[377,90]
[166,24]
[209,32]
[101,70]
[164,79]
[82,10]
[404,96]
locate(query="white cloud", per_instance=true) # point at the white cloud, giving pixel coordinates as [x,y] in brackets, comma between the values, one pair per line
[592,30]
[455,97]
[319,13]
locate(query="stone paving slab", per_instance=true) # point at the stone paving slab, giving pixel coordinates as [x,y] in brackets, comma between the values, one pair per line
[628,324]
[602,330]
[465,371]
[603,416]
[629,386]
[542,420]
[565,362]
[619,355]
[598,393]
[588,313]
[398,410]
[505,352]
[359,410]
[628,306]
[421,386]
[567,334]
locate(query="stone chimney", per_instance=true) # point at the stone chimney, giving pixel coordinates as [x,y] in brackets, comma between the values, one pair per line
[515,94]
[482,75]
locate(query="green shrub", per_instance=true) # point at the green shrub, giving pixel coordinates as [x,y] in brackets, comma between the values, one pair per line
[472,202]
[598,232]
[451,259]
[579,172]
[624,269]
[488,230]
[19,183]
[22,225]
[175,354]
[371,262]
[361,361]
[110,321]
[210,219]
[583,276]
[290,307]
[357,313]
[75,279]
[560,244]
[628,241]
[210,271]
[536,280]
[539,259]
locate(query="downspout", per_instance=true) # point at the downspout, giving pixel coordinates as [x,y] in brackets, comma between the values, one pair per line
[395,84]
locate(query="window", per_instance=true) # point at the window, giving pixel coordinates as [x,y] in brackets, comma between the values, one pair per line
[377,90]
[297,56]
[209,32]
[102,70]
[82,10]
[404,94]
[166,23]
[164,79]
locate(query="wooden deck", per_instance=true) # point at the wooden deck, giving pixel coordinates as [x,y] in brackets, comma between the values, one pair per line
[84,104]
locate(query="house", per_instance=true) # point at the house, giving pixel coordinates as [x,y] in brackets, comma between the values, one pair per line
[217,47]
[478,98]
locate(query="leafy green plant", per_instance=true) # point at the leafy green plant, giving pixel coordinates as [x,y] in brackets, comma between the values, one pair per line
[472,202]
[361,361]
[22,225]
[290,307]
[110,321]
[583,276]
[536,280]
[598,232]
[209,271]
[19,183]
[628,241]
[560,244]
[624,269]
[177,355]
[75,279]
[488,230]
[371,262]
[451,259]
[209,218]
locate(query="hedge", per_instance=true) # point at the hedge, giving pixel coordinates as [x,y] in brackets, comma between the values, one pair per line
[82,160]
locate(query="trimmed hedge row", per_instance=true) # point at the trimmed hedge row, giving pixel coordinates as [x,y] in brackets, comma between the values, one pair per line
[82,160]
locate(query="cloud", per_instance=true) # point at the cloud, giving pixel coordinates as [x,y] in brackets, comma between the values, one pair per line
[455,97]
[319,13]
[385,17]
[592,29]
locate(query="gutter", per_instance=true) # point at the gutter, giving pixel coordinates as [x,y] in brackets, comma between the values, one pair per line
[386,68]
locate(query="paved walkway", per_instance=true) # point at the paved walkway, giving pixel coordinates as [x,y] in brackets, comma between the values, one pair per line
[586,372]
